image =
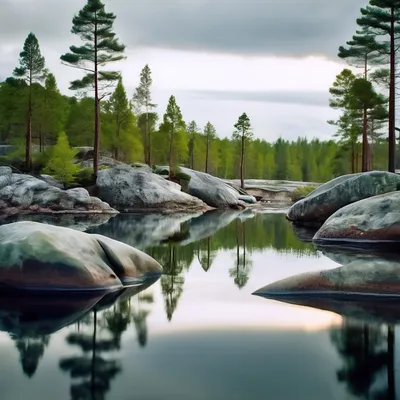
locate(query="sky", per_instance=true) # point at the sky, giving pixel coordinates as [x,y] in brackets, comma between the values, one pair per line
[273,59]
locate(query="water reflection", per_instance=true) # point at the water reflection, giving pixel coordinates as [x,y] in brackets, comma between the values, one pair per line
[198,332]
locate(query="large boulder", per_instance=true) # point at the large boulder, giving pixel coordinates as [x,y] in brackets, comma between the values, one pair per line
[366,277]
[134,189]
[376,219]
[213,191]
[21,193]
[41,257]
[320,204]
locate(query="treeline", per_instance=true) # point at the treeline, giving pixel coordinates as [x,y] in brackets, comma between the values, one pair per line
[35,115]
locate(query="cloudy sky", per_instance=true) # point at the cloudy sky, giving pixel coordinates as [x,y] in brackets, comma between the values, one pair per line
[273,59]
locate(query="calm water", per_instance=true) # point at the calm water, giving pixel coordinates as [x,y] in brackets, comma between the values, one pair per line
[198,332]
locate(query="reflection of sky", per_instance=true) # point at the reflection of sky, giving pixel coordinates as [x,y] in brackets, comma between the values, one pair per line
[211,300]
[222,343]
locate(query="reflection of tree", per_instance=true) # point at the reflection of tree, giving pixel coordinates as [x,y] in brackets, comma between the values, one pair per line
[242,269]
[172,280]
[140,313]
[205,254]
[93,371]
[31,349]
[367,351]
[117,319]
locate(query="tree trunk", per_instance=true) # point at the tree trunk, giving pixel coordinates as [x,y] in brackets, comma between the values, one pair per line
[391,136]
[353,158]
[171,152]
[96,147]
[192,152]
[391,361]
[116,151]
[40,139]
[148,144]
[242,164]
[93,371]
[28,141]
[365,156]
[207,149]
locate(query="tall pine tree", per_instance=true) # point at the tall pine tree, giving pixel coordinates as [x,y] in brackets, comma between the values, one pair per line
[94,26]
[143,101]
[172,125]
[210,134]
[192,129]
[244,134]
[363,50]
[31,69]
[383,16]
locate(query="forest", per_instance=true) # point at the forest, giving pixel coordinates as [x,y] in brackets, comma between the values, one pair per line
[41,123]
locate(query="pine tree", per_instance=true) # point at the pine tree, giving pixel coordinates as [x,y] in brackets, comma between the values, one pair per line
[192,130]
[94,26]
[142,99]
[244,134]
[118,106]
[363,50]
[31,69]
[210,134]
[60,164]
[383,16]
[172,125]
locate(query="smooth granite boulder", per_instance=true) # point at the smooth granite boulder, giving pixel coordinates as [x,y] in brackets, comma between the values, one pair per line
[320,204]
[376,219]
[135,189]
[214,191]
[21,193]
[366,277]
[41,257]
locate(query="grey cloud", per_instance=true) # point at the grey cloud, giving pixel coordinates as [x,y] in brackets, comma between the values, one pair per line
[311,98]
[252,27]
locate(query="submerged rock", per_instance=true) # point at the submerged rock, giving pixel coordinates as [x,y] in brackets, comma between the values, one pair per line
[41,257]
[21,193]
[135,189]
[320,204]
[376,219]
[376,276]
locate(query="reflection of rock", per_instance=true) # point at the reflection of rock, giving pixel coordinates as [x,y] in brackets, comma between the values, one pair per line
[303,233]
[208,224]
[35,316]
[362,277]
[144,230]
[339,192]
[77,222]
[38,256]
[376,219]
[26,194]
[134,189]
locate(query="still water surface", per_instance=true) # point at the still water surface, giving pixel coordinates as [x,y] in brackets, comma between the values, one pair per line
[198,332]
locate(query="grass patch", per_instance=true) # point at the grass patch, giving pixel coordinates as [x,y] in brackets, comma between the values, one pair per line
[301,192]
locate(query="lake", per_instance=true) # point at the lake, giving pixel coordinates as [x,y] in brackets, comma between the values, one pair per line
[199,333]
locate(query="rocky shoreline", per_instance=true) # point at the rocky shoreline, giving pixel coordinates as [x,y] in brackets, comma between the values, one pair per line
[124,188]
[352,210]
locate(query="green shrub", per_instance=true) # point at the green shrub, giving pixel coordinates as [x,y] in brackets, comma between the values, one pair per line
[300,192]
[85,177]
[179,175]
[60,161]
